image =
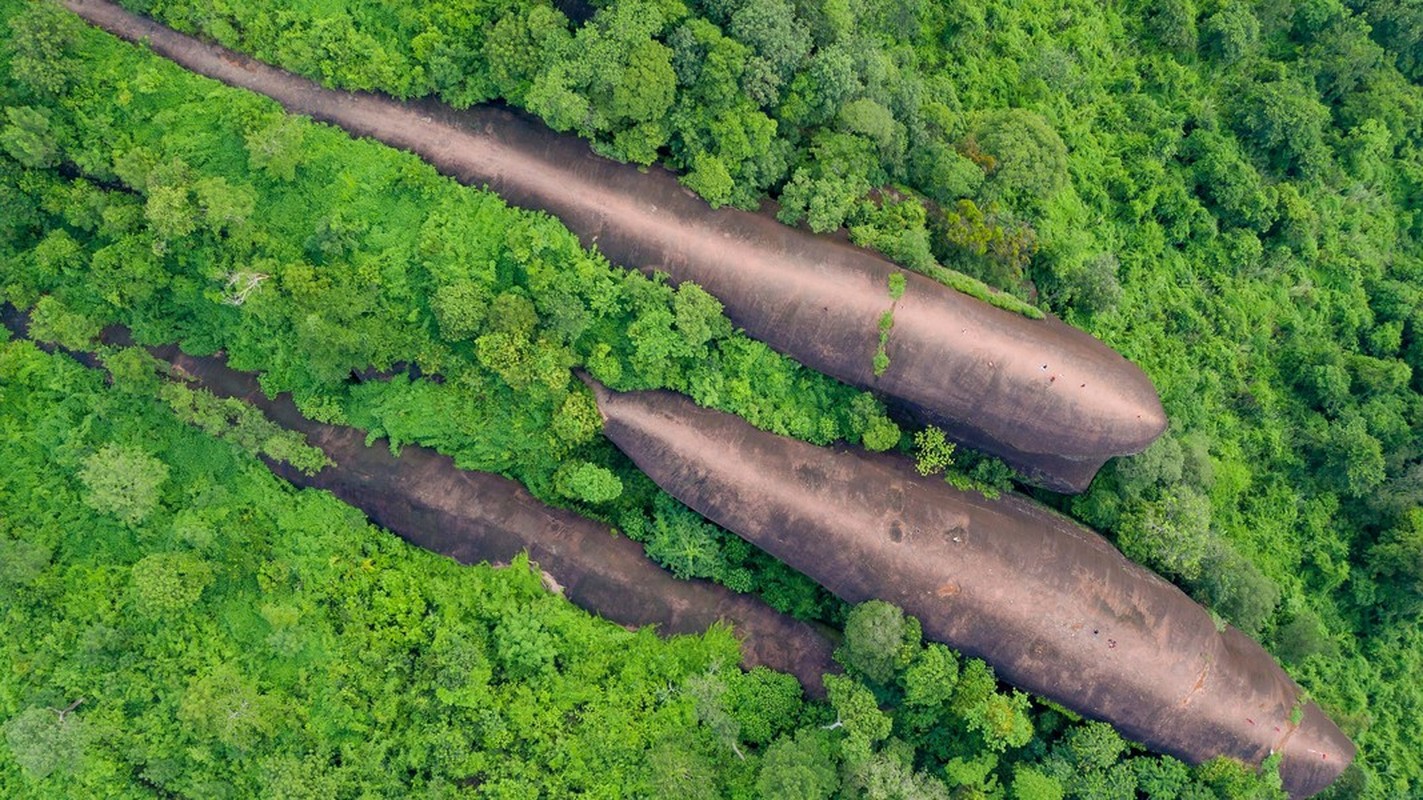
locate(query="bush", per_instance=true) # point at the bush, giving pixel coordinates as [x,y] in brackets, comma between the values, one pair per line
[123,482]
[879,641]
[1031,159]
[588,483]
[163,583]
[934,453]
[1030,784]
[1171,535]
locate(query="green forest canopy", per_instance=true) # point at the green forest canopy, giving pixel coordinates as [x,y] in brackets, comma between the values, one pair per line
[159,572]
[1226,192]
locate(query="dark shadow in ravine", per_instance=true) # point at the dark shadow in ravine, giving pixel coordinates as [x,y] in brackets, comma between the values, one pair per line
[474,517]
[1047,398]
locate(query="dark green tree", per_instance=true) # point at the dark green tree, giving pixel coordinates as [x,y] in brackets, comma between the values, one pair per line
[29,137]
[21,561]
[764,703]
[1173,24]
[799,767]
[163,583]
[879,640]
[1229,182]
[521,45]
[1397,559]
[841,169]
[1030,159]
[1231,33]
[41,48]
[460,309]
[778,40]
[1398,26]
[1283,121]
[523,644]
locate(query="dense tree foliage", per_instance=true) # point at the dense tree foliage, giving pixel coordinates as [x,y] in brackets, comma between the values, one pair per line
[1226,191]
[304,653]
[314,259]
[244,638]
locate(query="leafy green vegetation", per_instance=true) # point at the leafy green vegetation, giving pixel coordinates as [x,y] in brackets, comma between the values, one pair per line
[313,258]
[300,651]
[933,452]
[885,325]
[1226,192]
[305,653]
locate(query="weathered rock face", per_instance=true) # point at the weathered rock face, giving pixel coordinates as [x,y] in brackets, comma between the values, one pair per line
[471,517]
[1051,605]
[1048,399]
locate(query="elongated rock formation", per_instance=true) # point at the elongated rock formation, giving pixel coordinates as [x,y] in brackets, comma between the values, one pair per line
[1051,605]
[471,517]
[1047,398]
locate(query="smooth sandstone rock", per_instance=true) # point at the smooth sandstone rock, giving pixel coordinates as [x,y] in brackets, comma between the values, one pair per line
[1051,605]
[1048,399]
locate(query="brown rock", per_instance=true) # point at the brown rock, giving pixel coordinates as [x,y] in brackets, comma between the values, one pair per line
[1051,605]
[988,376]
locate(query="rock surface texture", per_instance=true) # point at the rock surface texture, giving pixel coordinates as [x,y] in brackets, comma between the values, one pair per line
[1047,398]
[1051,605]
